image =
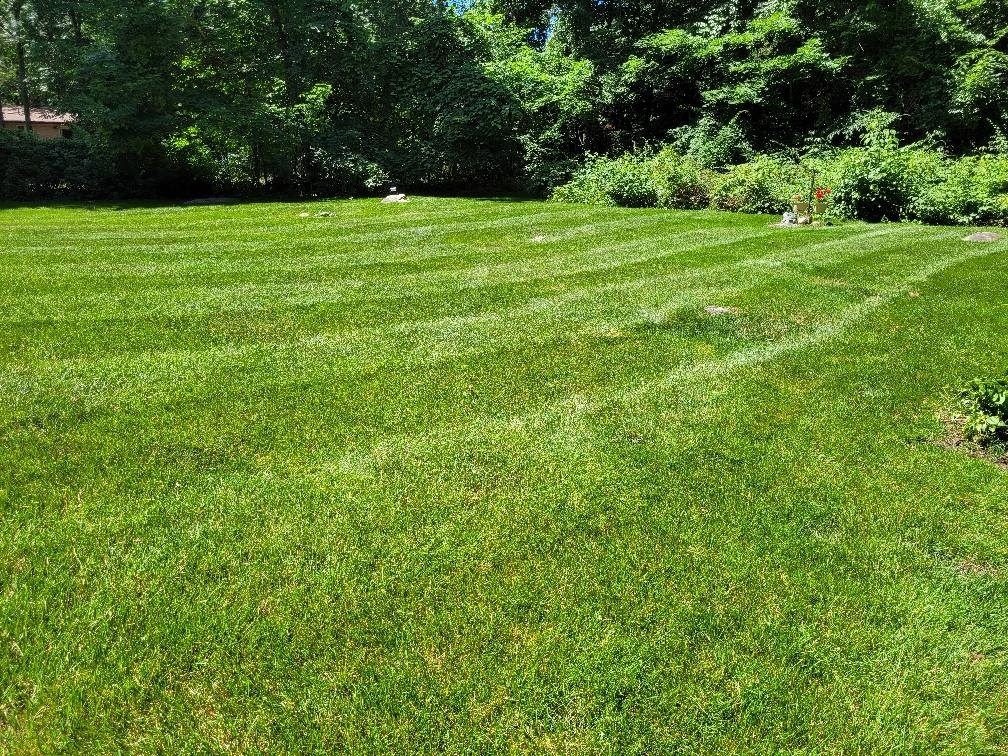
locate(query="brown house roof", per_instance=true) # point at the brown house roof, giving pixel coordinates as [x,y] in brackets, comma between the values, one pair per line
[14,114]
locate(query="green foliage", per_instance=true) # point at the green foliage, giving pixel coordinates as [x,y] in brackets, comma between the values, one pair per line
[663,179]
[31,168]
[880,181]
[966,190]
[875,185]
[345,173]
[309,98]
[921,184]
[626,181]
[551,94]
[763,185]
[714,145]
[986,405]
[682,182]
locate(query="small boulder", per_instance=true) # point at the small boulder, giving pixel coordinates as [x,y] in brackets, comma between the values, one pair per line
[983,236]
[718,310]
[396,198]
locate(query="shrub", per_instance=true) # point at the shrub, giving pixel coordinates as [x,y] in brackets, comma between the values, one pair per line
[665,179]
[544,169]
[946,194]
[875,184]
[626,181]
[337,173]
[878,182]
[763,185]
[921,184]
[989,188]
[986,404]
[31,168]
[681,182]
[712,144]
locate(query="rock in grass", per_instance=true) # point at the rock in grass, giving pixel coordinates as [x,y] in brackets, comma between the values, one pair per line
[396,198]
[717,310]
[983,236]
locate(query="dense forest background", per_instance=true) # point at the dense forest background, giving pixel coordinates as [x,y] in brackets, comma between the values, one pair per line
[331,97]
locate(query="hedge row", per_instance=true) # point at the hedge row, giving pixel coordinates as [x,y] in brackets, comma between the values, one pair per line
[873,183]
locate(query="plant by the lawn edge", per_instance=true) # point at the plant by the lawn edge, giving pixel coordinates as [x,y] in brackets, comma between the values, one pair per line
[985,402]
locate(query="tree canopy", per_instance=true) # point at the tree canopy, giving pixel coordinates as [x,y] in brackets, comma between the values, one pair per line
[344,96]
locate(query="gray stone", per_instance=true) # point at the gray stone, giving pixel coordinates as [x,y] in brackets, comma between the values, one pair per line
[983,236]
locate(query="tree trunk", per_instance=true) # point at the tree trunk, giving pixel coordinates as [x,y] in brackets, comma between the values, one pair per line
[291,77]
[75,23]
[22,67]
[23,85]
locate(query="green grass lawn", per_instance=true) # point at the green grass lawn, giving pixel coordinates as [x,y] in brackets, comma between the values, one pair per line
[476,476]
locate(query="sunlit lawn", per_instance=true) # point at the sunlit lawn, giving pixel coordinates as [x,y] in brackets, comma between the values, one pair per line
[476,476]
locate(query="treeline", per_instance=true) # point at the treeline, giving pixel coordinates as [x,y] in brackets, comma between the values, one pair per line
[333,97]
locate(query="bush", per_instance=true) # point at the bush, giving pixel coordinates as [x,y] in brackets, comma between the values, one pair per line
[712,144]
[544,169]
[31,168]
[878,182]
[338,173]
[763,185]
[921,184]
[966,190]
[986,404]
[990,188]
[681,182]
[875,184]
[625,181]
[665,179]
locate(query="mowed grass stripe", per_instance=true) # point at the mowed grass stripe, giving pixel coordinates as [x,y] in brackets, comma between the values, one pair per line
[223,222]
[427,345]
[354,347]
[566,420]
[328,230]
[413,255]
[526,296]
[483,271]
[475,276]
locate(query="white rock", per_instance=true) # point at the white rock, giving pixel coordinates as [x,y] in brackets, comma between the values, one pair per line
[396,198]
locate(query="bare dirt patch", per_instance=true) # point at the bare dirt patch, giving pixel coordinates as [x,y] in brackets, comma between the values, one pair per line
[975,568]
[954,439]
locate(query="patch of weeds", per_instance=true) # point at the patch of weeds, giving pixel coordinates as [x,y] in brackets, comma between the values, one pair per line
[982,424]
[986,403]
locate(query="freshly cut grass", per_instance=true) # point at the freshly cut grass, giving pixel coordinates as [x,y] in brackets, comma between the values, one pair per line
[475,476]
